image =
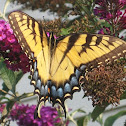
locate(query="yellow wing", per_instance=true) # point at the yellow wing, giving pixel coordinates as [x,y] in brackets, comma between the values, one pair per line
[33,41]
[77,52]
[92,49]
[58,64]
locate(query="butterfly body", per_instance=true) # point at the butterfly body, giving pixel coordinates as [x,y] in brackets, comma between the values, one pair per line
[57,64]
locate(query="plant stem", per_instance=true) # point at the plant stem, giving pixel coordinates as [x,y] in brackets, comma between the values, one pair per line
[7,93]
[3,16]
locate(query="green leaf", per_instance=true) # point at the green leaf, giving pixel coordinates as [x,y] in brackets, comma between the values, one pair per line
[83,121]
[10,105]
[3,98]
[80,110]
[123,96]
[4,113]
[65,31]
[97,111]
[18,76]
[8,76]
[100,119]
[8,108]
[110,120]
[24,96]
[5,88]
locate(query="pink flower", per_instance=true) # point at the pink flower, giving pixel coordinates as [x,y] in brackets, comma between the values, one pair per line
[11,50]
[48,35]
[2,36]
[11,38]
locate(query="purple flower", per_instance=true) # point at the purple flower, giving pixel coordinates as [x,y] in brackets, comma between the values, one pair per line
[16,48]
[2,36]
[9,30]
[24,115]
[105,30]
[11,38]
[122,21]
[123,2]
[1,27]
[11,50]
[24,64]
[101,31]
[111,11]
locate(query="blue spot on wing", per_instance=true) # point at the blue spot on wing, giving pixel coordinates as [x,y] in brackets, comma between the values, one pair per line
[53,91]
[38,84]
[82,67]
[46,90]
[78,73]
[35,76]
[67,88]
[35,65]
[60,92]
[74,81]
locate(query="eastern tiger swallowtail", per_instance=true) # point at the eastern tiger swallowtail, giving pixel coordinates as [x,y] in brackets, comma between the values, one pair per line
[57,64]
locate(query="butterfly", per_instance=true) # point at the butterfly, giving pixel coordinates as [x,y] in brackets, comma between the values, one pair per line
[58,64]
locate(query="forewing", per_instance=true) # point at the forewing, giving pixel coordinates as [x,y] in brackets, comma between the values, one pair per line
[29,33]
[92,50]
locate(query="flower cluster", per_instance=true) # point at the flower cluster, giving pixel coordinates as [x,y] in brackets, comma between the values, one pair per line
[113,13]
[24,115]
[10,50]
[106,84]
